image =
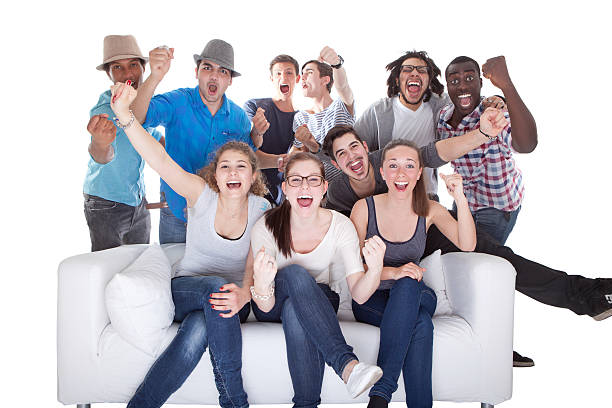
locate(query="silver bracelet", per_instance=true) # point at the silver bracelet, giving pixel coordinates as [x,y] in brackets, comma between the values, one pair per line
[127,125]
[268,296]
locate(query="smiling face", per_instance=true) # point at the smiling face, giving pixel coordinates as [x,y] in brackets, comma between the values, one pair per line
[413,82]
[213,80]
[351,156]
[284,78]
[303,194]
[124,69]
[401,170]
[234,174]
[464,84]
[313,85]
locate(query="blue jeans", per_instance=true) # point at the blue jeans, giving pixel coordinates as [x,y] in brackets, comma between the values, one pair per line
[403,314]
[201,327]
[171,229]
[112,224]
[312,332]
[497,223]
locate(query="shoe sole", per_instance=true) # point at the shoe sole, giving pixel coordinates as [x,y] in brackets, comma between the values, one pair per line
[603,315]
[370,383]
[522,364]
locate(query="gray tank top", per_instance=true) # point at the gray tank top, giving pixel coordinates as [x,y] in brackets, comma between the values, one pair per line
[397,253]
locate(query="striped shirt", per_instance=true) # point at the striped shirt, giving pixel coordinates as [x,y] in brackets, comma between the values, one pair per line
[490,175]
[319,124]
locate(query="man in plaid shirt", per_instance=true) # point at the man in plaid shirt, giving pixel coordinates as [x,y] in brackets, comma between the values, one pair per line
[493,184]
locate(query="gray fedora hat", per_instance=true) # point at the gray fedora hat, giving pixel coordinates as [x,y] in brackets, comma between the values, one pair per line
[219,52]
[118,47]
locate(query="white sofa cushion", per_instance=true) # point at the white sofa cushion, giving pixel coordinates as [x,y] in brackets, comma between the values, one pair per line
[434,277]
[139,301]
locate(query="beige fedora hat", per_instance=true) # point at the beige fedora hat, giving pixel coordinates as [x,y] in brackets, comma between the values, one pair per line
[118,47]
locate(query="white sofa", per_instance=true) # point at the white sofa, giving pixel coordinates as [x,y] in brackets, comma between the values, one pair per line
[472,341]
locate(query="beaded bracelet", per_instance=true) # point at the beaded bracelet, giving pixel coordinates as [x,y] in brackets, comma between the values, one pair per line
[480,130]
[255,295]
[127,125]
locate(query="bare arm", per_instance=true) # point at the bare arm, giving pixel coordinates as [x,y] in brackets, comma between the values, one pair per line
[329,56]
[264,271]
[524,131]
[268,160]
[186,184]
[159,61]
[103,132]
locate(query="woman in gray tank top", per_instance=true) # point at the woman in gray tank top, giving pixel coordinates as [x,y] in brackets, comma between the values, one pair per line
[210,290]
[401,305]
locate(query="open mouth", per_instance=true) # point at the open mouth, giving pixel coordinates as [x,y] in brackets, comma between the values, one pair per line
[414,87]
[233,185]
[465,100]
[356,165]
[284,88]
[304,201]
[401,185]
[212,89]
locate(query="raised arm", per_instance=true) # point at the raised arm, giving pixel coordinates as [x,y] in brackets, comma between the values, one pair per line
[159,61]
[492,122]
[524,131]
[462,231]
[186,184]
[329,56]
[103,133]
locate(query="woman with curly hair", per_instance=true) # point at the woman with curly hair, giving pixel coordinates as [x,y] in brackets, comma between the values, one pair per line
[210,289]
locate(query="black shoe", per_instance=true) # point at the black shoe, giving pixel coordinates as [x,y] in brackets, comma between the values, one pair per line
[602,303]
[520,361]
[377,402]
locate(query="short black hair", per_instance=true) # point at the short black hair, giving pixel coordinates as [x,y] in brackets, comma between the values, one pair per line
[333,134]
[285,58]
[461,59]
[395,68]
[325,70]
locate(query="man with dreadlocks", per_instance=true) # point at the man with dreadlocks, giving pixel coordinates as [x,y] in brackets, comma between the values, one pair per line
[414,99]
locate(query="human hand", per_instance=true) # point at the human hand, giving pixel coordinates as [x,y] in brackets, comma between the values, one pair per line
[454,185]
[496,71]
[329,56]
[264,271]
[282,161]
[102,130]
[122,96]
[373,252]
[410,270]
[230,300]
[493,121]
[495,102]
[260,123]
[159,61]
[302,134]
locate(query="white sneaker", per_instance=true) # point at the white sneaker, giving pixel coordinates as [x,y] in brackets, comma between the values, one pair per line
[362,377]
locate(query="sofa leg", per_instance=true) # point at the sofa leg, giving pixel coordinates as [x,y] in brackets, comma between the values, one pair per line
[485,405]
[83,405]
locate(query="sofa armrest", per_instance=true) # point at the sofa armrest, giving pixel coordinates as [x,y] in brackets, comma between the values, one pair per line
[480,289]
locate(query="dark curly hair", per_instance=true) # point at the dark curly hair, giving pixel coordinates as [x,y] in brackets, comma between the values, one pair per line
[208,173]
[434,72]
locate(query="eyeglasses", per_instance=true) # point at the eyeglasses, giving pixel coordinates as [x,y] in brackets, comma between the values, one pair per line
[297,181]
[421,69]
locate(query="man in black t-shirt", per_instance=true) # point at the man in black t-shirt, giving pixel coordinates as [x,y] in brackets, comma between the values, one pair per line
[272,118]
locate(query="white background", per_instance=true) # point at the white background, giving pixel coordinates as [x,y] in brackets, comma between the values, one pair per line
[558,57]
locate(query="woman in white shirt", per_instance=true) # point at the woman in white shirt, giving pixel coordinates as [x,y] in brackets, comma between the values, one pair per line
[303,252]
[210,288]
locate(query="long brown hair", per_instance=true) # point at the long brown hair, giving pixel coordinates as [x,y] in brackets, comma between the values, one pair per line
[208,173]
[420,201]
[278,220]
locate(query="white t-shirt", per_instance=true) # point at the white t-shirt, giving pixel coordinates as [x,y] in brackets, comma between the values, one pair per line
[418,127]
[208,253]
[336,257]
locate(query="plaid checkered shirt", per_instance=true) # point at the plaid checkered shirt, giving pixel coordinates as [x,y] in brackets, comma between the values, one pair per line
[490,175]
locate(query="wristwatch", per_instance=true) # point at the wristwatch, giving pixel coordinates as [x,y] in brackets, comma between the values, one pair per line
[339,64]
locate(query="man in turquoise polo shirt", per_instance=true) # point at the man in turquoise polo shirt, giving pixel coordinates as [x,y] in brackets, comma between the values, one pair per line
[114,185]
[197,121]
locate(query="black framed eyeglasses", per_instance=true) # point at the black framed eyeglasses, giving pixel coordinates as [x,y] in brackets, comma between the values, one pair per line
[314,180]
[421,69]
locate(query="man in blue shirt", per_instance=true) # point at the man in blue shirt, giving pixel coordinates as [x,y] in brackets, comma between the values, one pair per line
[197,121]
[114,185]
